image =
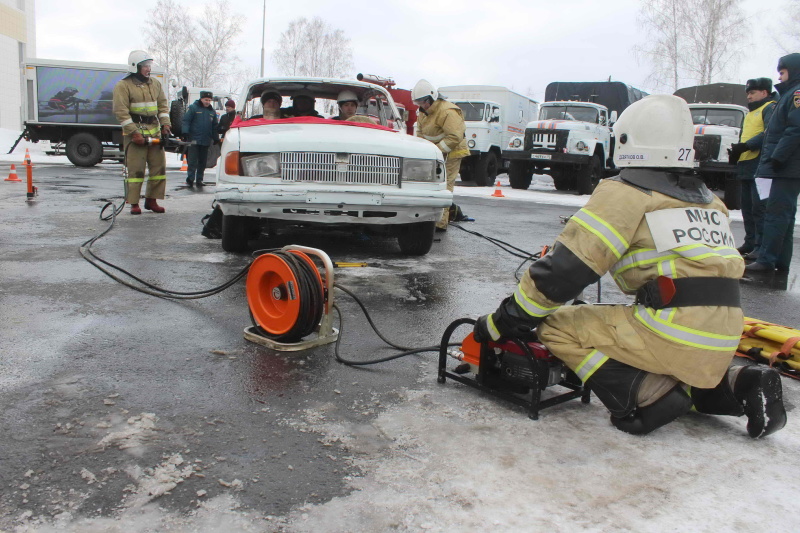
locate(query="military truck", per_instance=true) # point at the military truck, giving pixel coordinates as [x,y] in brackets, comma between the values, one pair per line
[572,140]
[718,111]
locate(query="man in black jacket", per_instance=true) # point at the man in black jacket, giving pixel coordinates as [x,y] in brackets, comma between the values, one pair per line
[761,102]
[227,119]
[780,162]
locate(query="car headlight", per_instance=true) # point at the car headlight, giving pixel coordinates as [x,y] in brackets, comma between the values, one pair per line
[516,143]
[421,170]
[471,143]
[262,165]
[580,145]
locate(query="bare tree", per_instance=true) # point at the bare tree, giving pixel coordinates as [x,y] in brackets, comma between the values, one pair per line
[788,37]
[664,24]
[211,39]
[166,34]
[691,39]
[312,48]
[715,34]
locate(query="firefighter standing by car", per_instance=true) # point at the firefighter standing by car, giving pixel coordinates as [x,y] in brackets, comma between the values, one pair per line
[666,238]
[442,123]
[141,109]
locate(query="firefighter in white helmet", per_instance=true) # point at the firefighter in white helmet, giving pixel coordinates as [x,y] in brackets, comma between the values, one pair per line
[141,109]
[442,123]
[664,237]
[348,105]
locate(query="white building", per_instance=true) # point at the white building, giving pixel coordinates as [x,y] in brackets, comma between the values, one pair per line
[17,43]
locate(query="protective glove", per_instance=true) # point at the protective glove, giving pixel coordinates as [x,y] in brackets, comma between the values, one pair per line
[166,130]
[137,138]
[777,164]
[735,152]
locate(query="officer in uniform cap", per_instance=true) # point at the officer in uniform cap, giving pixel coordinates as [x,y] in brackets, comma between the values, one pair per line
[665,238]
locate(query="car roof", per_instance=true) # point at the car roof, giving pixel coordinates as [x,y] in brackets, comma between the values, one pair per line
[320,87]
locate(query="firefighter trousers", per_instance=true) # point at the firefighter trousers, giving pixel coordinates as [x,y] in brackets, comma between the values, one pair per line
[452,167]
[584,337]
[137,158]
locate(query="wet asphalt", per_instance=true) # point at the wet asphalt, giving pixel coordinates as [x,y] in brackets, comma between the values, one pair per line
[98,378]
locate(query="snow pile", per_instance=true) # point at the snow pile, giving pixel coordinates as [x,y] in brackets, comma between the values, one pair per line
[154,483]
[138,429]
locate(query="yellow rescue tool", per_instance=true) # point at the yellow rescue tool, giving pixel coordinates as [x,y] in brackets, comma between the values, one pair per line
[775,343]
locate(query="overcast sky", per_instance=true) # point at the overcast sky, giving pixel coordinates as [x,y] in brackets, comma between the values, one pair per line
[520,44]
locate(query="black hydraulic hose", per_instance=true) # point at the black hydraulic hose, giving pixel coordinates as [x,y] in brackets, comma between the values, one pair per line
[117,211]
[88,254]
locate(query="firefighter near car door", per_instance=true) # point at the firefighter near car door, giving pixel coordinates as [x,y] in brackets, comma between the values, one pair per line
[443,124]
[141,107]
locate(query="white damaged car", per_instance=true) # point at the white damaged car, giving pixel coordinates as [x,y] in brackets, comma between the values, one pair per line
[320,171]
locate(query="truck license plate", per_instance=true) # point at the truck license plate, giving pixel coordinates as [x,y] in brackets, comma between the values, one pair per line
[541,156]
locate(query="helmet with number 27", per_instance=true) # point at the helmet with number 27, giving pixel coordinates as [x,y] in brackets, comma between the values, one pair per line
[656,131]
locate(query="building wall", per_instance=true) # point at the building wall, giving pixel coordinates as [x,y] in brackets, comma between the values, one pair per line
[17,42]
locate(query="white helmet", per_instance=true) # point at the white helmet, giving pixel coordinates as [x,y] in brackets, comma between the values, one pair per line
[346,96]
[136,57]
[422,89]
[656,131]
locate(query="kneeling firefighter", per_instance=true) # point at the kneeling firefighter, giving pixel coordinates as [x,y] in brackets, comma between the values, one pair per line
[665,238]
[442,123]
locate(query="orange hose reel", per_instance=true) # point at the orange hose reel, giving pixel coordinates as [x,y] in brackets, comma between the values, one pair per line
[289,299]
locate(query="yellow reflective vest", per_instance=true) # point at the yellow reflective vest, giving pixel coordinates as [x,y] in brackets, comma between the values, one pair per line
[443,125]
[134,99]
[753,125]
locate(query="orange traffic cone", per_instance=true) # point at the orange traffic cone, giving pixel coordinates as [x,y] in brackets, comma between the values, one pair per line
[12,176]
[27,157]
[185,166]
[497,192]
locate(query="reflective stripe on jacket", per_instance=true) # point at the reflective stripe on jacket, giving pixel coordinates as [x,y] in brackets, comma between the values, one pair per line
[443,125]
[611,234]
[146,99]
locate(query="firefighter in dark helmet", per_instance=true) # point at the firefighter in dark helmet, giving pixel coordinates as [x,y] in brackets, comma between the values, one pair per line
[664,237]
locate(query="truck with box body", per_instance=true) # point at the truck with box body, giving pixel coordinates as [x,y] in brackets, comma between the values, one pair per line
[69,104]
[718,111]
[494,116]
[572,140]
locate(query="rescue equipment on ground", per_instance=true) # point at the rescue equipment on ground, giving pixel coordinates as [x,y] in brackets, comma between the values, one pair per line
[290,299]
[513,370]
[773,344]
[12,175]
[497,192]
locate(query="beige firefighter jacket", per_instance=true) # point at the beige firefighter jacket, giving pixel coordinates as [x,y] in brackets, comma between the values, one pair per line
[443,125]
[611,234]
[143,99]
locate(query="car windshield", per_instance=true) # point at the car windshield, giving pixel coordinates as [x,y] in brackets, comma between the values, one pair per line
[372,104]
[473,111]
[718,117]
[568,112]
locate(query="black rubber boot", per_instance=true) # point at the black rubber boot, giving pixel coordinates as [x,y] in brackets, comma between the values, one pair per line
[616,385]
[717,401]
[759,390]
[643,420]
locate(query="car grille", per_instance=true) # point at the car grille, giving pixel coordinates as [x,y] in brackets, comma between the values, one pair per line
[326,167]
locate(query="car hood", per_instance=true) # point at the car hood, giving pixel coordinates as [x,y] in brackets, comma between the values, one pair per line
[334,138]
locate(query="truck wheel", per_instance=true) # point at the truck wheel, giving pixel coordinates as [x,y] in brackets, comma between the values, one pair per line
[176,111]
[84,150]
[733,193]
[562,180]
[486,170]
[236,231]
[520,174]
[589,177]
[416,238]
